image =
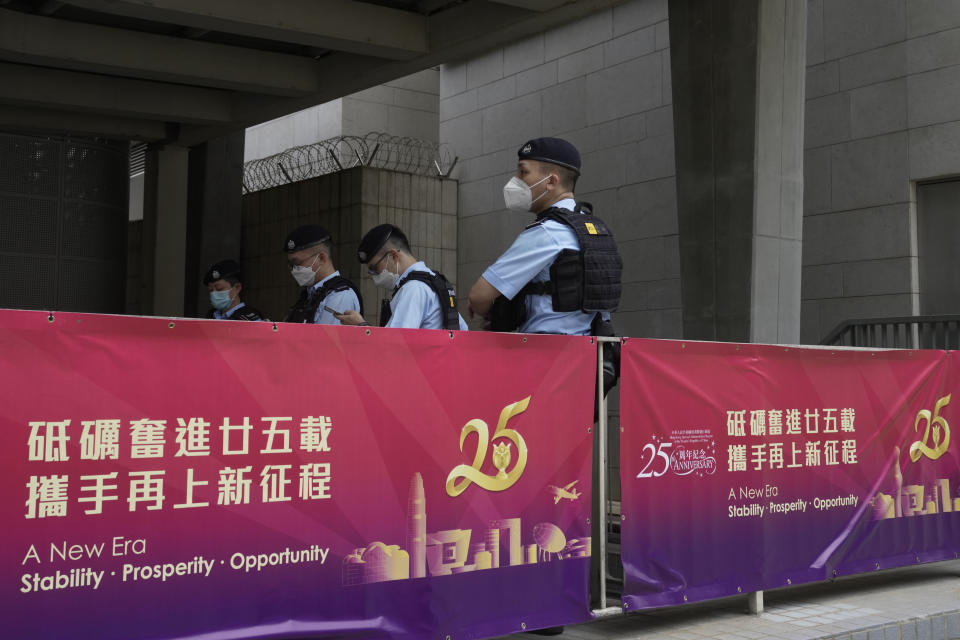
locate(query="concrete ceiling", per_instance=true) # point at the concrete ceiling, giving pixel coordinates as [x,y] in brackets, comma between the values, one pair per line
[184,71]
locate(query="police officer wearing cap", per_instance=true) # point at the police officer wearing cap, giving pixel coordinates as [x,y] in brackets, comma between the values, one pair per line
[324,290]
[562,273]
[224,284]
[422,298]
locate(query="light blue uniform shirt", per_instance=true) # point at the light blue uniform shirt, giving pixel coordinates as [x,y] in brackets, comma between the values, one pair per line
[416,306]
[528,260]
[225,315]
[337,300]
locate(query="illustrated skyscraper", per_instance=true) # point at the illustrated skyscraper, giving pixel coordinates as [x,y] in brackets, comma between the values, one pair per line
[417,528]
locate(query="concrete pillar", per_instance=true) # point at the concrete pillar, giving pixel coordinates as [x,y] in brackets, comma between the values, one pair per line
[164,230]
[213,214]
[738,73]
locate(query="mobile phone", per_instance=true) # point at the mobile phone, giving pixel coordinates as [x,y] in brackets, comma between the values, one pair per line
[333,311]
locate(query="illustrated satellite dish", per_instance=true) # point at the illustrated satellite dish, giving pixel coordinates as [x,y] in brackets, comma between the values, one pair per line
[550,540]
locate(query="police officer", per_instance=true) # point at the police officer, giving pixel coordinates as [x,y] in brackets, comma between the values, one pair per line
[324,290]
[562,273]
[224,284]
[422,298]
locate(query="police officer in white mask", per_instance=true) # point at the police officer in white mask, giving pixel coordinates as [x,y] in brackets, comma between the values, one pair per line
[324,291]
[421,298]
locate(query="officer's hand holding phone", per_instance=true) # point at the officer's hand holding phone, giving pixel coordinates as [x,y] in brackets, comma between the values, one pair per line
[349,317]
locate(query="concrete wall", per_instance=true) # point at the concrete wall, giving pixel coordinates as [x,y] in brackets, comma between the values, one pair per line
[403,107]
[348,204]
[604,84]
[882,112]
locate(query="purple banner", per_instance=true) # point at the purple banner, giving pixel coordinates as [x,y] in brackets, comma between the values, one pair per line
[748,467]
[200,479]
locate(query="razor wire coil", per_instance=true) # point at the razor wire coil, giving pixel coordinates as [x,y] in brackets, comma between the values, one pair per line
[378,150]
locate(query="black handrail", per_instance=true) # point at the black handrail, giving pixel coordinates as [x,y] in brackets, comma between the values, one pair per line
[905,332]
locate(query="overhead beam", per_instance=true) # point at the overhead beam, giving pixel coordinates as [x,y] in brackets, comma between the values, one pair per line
[480,25]
[67,123]
[85,47]
[24,85]
[460,32]
[341,25]
[534,5]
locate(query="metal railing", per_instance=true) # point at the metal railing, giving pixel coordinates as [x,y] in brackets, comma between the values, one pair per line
[907,332]
[380,150]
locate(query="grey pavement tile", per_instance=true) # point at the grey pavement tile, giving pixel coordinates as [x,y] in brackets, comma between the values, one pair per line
[850,625]
[833,617]
[924,629]
[799,634]
[859,635]
[908,630]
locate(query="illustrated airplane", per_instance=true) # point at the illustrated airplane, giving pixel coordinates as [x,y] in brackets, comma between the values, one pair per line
[567,492]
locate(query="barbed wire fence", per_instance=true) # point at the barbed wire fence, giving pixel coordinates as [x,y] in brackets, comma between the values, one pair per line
[379,150]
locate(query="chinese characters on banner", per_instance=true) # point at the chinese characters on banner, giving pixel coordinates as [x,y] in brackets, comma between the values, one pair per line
[806,446]
[228,480]
[801,464]
[146,439]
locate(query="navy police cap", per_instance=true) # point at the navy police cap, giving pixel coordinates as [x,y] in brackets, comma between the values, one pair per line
[374,240]
[554,150]
[305,237]
[221,270]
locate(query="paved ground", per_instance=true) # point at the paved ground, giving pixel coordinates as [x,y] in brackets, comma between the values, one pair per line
[915,603]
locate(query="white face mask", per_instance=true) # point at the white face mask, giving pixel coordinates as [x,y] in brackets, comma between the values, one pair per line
[517,195]
[386,279]
[304,275]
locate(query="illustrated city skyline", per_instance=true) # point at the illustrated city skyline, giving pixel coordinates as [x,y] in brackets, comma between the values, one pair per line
[451,551]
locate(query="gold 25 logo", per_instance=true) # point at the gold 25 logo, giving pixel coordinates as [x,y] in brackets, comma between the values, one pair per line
[463,475]
[940,440]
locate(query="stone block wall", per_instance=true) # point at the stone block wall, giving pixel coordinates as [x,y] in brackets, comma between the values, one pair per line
[348,204]
[403,107]
[604,84]
[882,113]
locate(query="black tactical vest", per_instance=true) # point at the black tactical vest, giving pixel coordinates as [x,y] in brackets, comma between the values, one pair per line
[440,286]
[306,308]
[587,280]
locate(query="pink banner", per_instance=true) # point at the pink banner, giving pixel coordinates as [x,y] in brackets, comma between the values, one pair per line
[188,479]
[749,467]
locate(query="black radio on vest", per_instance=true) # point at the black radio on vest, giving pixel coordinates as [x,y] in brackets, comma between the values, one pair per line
[441,287]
